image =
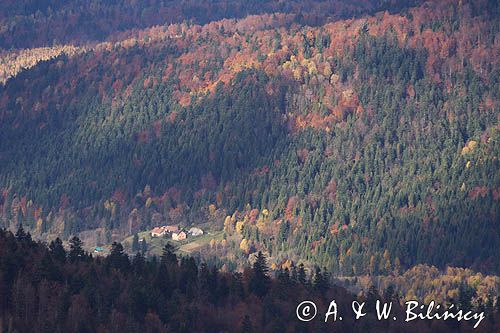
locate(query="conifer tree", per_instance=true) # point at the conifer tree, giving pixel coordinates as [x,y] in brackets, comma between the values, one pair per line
[76,251]
[259,280]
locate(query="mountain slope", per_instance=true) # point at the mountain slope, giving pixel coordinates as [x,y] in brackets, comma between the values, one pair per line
[30,23]
[360,145]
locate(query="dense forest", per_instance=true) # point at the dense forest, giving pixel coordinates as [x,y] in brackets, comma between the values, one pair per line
[49,289]
[29,23]
[359,137]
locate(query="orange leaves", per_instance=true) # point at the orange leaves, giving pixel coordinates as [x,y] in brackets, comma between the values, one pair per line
[215,52]
[168,72]
[37,213]
[261,171]
[314,120]
[185,99]
[253,215]
[316,243]
[410,91]
[146,83]
[334,230]
[117,86]
[290,207]
[240,62]
[171,117]
[478,191]
[349,99]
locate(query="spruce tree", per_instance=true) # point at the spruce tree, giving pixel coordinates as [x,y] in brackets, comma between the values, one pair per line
[259,280]
[76,251]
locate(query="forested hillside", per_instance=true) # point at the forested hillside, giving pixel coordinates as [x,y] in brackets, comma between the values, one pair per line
[29,23]
[363,145]
[49,289]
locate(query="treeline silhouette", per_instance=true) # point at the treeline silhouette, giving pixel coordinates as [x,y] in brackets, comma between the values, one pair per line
[51,289]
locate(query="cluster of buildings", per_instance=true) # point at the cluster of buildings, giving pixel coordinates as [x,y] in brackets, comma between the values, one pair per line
[176,233]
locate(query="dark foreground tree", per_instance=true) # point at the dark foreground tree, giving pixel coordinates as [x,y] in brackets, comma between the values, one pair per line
[259,279]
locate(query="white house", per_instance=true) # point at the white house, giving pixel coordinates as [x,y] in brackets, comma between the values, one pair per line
[195,231]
